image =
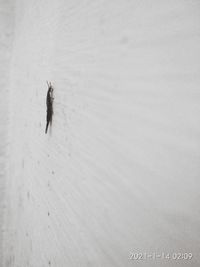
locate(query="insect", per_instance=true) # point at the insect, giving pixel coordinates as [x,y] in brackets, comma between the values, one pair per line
[49,103]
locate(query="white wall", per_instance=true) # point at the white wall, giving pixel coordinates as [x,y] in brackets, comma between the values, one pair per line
[119,170]
[6,33]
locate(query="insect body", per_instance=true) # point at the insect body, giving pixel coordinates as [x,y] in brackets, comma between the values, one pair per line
[49,103]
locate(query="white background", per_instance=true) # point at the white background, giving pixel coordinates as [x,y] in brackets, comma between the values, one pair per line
[118,172]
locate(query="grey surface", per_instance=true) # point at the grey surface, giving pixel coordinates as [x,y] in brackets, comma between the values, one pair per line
[119,171]
[6,35]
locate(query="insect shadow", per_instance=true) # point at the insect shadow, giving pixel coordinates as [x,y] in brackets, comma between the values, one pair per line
[49,103]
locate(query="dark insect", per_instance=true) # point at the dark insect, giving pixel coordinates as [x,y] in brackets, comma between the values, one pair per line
[49,103]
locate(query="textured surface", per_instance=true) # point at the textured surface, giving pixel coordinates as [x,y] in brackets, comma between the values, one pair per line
[6,34]
[119,170]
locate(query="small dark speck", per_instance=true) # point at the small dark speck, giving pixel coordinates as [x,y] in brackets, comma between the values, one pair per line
[53,172]
[49,263]
[48,213]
